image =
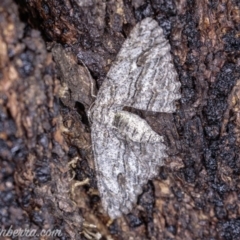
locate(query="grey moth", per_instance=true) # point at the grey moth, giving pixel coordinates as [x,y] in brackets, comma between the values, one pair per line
[127,152]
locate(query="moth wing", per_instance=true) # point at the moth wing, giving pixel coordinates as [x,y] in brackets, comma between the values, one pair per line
[143,73]
[124,164]
[142,142]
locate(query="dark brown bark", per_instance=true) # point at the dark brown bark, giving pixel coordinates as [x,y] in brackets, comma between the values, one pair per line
[196,195]
[35,180]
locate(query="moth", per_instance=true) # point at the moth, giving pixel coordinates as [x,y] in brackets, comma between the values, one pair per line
[127,152]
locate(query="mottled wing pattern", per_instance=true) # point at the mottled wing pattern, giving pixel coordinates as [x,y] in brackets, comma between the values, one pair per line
[123,166]
[143,72]
[127,152]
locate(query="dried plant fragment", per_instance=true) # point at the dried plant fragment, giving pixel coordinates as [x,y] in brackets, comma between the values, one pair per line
[77,83]
[127,152]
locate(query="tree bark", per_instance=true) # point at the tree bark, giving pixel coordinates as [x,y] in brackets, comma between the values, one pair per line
[47,172]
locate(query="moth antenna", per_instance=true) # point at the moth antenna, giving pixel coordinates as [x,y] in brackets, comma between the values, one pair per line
[90,77]
[89,112]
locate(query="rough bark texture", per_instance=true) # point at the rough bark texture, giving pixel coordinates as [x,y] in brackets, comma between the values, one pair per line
[35,179]
[197,193]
